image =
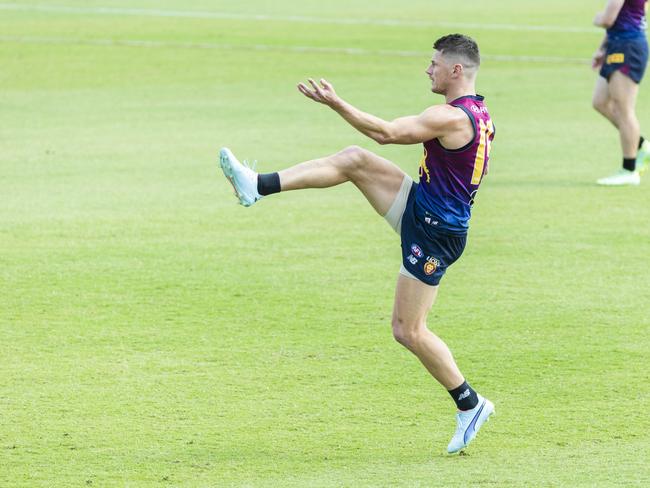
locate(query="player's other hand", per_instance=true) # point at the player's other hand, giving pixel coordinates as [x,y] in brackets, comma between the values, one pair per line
[598,59]
[321,93]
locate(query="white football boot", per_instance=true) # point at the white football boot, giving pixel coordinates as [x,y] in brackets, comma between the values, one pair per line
[468,424]
[620,178]
[242,178]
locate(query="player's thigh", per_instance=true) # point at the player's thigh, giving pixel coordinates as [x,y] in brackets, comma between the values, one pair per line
[413,300]
[378,179]
[623,91]
[601,93]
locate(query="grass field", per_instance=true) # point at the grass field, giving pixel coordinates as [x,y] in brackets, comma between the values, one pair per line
[154,333]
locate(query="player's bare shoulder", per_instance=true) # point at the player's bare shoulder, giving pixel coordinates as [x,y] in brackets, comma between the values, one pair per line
[455,127]
[454,118]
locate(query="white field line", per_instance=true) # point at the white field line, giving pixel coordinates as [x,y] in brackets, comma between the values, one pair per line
[204,14]
[268,47]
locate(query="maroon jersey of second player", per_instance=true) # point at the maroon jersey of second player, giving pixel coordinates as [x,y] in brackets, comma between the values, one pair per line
[631,19]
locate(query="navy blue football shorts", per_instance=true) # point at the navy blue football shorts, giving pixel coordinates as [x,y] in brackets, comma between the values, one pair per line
[629,56]
[427,252]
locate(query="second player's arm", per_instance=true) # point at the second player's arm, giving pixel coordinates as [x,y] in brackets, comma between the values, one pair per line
[607,17]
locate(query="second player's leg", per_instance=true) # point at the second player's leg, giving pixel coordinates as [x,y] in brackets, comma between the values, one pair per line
[413,300]
[602,101]
[623,92]
[377,178]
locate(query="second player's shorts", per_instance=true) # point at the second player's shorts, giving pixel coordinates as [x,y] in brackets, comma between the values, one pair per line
[629,56]
[427,252]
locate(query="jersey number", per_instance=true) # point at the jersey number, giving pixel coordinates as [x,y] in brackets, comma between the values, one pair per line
[483,152]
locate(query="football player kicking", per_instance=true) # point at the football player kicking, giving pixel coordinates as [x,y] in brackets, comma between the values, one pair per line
[431,216]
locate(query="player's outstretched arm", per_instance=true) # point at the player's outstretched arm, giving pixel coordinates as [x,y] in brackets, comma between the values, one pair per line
[607,17]
[436,121]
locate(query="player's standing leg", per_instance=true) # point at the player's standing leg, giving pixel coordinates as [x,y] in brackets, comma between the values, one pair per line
[413,300]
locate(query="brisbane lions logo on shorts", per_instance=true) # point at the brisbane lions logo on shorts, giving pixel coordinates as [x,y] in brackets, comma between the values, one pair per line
[431,266]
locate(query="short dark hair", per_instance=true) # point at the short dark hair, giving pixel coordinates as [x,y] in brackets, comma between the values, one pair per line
[459,45]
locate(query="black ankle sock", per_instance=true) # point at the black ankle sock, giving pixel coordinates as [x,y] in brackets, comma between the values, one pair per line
[464,396]
[641,141]
[629,163]
[268,183]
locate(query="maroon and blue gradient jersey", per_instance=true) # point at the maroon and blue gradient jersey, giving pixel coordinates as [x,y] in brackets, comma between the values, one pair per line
[631,21]
[449,178]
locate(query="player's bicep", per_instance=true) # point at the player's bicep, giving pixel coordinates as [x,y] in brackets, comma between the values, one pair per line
[414,129]
[612,9]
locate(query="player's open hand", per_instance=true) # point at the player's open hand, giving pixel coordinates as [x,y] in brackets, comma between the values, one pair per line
[323,93]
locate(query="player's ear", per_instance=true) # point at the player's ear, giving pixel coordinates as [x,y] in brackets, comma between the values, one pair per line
[458,69]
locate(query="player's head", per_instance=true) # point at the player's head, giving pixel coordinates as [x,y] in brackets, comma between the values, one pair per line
[456,59]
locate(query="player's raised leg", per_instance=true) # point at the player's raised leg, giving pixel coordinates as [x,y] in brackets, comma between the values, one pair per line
[413,300]
[377,178]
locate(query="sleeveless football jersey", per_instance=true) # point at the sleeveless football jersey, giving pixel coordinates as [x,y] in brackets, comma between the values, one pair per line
[449,178]
[631,21]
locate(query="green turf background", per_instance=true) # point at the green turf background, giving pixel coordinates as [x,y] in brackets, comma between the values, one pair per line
[154,333]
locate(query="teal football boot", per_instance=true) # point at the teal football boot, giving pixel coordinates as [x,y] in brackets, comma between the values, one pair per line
[241,176]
